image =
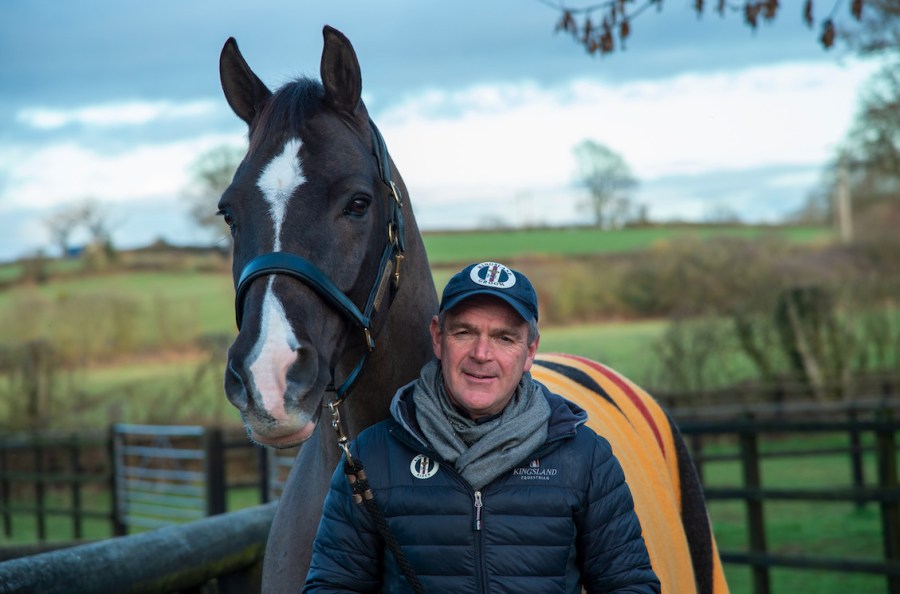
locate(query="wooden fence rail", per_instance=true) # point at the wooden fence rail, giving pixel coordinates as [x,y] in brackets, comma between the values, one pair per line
[226,550]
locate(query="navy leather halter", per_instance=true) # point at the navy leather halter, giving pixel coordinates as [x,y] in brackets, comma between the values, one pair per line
[308,273]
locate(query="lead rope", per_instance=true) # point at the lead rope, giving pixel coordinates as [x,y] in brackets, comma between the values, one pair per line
[362,495]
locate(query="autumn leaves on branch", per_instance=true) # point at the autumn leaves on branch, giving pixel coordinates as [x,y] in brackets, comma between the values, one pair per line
[598,26]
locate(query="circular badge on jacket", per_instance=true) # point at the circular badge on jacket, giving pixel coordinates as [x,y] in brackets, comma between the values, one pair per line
[423,467]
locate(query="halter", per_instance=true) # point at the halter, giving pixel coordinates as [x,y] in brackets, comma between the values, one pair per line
[306,272]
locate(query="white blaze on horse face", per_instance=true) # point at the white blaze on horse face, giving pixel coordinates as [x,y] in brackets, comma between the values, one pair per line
[276,348]
[273,355]
[277,182]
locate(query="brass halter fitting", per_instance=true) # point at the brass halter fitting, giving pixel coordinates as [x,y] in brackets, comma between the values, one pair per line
[396,192]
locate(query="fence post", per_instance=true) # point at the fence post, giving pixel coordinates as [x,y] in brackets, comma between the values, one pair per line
[215,471]
[75,462]
[118,525]
[856,463]
[890,510]
[755,517]
[39,500]
[5,495]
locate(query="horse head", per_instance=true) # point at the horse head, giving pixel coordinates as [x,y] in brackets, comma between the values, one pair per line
[319,224]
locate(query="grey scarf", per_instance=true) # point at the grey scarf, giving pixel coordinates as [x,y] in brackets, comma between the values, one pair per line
[480,452]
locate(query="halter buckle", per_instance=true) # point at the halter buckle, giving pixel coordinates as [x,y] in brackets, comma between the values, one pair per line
[396,192]
[397,259]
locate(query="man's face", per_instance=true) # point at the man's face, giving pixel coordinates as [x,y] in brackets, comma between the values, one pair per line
[484,350]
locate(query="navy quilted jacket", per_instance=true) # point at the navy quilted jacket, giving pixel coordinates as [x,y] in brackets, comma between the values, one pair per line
[562,519]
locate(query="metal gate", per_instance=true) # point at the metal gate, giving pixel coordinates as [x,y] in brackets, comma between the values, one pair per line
[162,475]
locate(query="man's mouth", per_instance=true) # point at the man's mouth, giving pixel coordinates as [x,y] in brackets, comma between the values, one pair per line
[479,376]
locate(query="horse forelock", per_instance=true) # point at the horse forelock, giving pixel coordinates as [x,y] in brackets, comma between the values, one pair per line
[285,113]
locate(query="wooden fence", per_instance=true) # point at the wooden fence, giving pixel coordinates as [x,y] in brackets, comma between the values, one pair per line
[875,422]
[877,417]
[43,477]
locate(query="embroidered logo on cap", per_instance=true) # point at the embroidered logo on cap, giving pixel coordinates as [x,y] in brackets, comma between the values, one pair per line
[492,274]
[423,467]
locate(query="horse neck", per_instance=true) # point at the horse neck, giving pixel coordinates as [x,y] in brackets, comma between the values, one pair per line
[403,345]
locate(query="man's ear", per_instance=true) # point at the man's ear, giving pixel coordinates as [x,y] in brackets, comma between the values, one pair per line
[531,353]
[435,329]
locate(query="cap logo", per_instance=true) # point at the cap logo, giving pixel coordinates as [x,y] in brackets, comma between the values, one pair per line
[492,274]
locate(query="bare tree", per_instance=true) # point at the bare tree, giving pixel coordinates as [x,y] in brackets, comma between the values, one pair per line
[609,181]
[875,137]
[879,30]
[865,173]
[86,214]
[95,219]
[211,174]
[601,26]
[61,224]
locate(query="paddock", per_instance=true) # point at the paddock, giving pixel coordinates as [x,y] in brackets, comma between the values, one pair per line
[224,553]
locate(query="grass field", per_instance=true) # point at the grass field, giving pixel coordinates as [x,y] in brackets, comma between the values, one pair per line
[473,246]
[207,297]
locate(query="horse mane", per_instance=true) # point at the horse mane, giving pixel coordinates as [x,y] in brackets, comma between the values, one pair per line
[286,111]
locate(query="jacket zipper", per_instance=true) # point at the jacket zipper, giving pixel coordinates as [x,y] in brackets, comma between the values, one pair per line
[481,576]
[478,506]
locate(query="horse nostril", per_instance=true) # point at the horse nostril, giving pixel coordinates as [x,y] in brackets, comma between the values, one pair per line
[302,374]
[235,388]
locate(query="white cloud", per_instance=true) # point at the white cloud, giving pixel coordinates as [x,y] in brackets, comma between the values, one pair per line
[60,173]
[115,114]
[501,140]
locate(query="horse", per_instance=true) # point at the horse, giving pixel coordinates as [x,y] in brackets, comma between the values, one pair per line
[333,297]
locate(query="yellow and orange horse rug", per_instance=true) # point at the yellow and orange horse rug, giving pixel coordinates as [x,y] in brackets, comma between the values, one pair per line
[668,497]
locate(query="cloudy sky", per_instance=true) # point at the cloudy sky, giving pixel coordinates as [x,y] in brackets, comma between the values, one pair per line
[480,103]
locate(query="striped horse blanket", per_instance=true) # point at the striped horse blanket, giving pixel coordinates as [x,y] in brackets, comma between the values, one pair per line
[667,494]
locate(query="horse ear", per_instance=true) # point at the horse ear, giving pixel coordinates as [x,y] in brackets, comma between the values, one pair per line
[244,91]
[340,72]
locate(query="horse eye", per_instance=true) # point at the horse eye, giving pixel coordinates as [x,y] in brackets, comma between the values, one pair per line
[226,216]
[358,206]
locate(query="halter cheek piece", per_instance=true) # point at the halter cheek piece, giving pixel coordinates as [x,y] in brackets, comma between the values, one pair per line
[306,272]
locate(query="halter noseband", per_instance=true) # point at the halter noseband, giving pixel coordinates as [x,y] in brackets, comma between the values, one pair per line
[306,272]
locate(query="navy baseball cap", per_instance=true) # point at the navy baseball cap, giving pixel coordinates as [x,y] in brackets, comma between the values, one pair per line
[492,278]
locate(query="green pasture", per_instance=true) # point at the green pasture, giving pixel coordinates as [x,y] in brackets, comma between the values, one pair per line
[472,246]
[206,299]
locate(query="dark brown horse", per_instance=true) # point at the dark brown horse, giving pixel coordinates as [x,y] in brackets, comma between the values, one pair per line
[334,296]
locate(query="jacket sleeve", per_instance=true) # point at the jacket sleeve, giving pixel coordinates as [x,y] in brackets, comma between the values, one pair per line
[613,553]
[347,552]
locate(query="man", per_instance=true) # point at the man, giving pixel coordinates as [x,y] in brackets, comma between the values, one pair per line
[489,482]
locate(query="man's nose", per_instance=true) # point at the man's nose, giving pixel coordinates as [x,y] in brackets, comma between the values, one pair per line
[481,350]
